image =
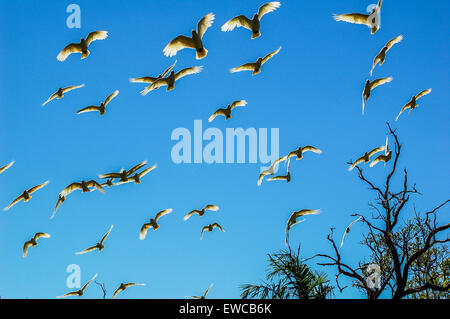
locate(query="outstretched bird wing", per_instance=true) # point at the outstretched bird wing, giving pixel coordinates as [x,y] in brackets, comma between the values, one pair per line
[14,202]
[111,96]
[177,44]
[291,222]
[131,284]
[4,168]
[214,208]
[53,96]
[216,225]
[277,178]
[87,250]
[117,292]
[188,71]
[238,103]
[347,230]
[25,248]
[91,108]
[278,161]
[68,50]
[96,35]
[376,60]
[423,93]
[69,189]
[146,171]
[188,215]
[264,174]
[162,213]
[244,67]
[407,106]
[305,212]
[41,235]
[380,158]
[376,150]
[106,235]
[239,21]
[379,5]
[379,82]
[35,188]
[268,7]
[136,167]
[203,229]
[204,24]
[144,79]
[357,162]
[395,40]
[89,282]
[96,185]
[358,18]
[154,86]
[110,175]
[169,69]
[59,202]
[270,55]
[73,293]
[70,88]
[216,113]
[144,229]
[207,290]
[309,148]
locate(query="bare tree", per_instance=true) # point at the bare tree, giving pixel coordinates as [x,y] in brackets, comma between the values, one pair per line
[411,257]
[103,287]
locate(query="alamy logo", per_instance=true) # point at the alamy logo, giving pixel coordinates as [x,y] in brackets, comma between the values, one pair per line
[74,19]
[241,146]
[74,279]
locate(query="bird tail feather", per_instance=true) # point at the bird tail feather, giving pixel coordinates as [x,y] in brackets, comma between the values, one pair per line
[201,53]
[85,55]
[256,35]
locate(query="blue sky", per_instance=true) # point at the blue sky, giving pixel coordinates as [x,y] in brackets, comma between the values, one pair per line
[311,91]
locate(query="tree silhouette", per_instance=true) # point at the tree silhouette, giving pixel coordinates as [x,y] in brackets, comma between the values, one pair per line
[413,261]
[288,277]
[103,287]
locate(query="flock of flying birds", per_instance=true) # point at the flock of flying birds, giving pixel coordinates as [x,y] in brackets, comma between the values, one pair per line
[168,78]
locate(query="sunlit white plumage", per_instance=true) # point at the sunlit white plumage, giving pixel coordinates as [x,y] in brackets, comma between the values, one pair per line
[194,42]
[347,230]
[254,23]
[26,195]
[412,104]
[255,67]
[82,46]
[33,242]
[60,92]
[371,20]
[153,223]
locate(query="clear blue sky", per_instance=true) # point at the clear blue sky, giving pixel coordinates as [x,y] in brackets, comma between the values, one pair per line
[311,90]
